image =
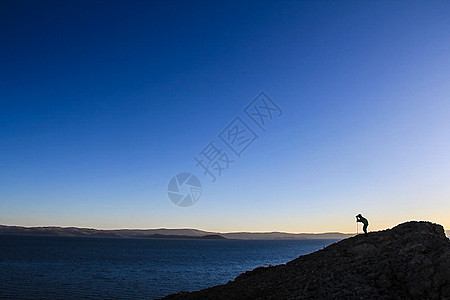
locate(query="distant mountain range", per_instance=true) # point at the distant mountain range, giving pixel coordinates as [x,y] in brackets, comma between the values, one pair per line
[168,233]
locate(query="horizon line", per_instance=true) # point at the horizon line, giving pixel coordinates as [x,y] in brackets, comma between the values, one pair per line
[206,231]
[174,228]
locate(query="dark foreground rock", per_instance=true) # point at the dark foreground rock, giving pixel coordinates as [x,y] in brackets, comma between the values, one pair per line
[409,261]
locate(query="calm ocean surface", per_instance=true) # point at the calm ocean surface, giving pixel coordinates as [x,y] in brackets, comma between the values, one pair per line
[53,267]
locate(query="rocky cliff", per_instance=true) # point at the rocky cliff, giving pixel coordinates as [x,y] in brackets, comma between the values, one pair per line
[409,261]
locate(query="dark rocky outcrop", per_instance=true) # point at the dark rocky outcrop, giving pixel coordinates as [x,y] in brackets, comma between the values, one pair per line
[409,261]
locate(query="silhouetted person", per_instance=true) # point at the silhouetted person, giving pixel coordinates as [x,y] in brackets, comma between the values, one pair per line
[360,218]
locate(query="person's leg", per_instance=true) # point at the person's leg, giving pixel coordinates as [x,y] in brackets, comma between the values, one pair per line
[365,228]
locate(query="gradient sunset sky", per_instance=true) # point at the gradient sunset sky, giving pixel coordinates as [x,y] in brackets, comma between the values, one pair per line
[102,102]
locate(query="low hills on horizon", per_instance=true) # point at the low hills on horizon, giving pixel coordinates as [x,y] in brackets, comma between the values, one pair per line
[186,233]
[167,233]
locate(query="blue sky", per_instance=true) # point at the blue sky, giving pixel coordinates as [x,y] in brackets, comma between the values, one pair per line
[102,102]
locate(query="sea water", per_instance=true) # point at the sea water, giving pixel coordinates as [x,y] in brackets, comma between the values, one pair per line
[53,267]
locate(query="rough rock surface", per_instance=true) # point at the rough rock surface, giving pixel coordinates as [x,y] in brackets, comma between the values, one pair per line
[409,261]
